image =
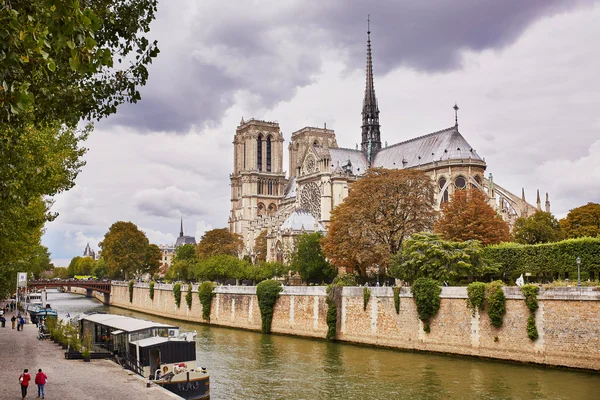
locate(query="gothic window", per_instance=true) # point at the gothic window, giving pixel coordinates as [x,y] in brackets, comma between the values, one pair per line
[460,182]
[310,199]
[259,153]
[260,209]
[270,187]
[260,186]
[445,196]
[442,183]
[309,165]
[272,209]
[478,179]
[269,154]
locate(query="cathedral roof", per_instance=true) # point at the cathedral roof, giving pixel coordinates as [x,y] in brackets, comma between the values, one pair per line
[299,220]
[357,159]
[181,240]
[447,144]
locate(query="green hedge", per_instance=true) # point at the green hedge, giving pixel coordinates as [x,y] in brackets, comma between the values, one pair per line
[151,291]
[131,291]
[188,296]
[546,261]
[426,293]
[177,293]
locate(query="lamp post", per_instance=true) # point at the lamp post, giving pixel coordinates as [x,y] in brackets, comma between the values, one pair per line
[578,261]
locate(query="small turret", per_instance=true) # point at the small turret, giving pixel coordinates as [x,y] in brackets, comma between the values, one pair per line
[539,203]
[547,203]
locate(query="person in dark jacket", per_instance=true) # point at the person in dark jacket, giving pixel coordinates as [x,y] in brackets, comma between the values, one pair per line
[13,320]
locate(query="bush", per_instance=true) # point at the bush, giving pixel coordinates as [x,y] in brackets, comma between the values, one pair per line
[476,293]
[546,261]
[206,294]
[267,293]
[131,291]
[177,293]
[151,291]
[426,292]
[366,297]
[495,303]
[188,296]
[334,294]
[396,290]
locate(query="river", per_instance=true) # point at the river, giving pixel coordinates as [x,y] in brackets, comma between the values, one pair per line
[250,365]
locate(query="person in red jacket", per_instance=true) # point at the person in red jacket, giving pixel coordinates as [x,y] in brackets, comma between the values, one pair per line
[24,381]
[40,381]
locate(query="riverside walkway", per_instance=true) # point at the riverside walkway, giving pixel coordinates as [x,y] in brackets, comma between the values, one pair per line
[67,379]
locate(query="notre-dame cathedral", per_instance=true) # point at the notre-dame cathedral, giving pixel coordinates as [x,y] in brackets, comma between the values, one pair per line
[320,172]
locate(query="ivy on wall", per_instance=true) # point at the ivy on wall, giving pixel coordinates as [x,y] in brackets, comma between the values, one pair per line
[151,291]
[396,290]
[426,292]
[188,296]
[177,293]
[366,297]
[267,292]
[206,294]
[476,296]
[334,299]
[495,303]
[531,301]
[131,291]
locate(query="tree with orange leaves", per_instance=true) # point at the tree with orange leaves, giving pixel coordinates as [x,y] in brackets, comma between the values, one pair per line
[383,208]
[468,216]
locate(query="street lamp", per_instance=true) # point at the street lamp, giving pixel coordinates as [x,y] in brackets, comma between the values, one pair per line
[578,261]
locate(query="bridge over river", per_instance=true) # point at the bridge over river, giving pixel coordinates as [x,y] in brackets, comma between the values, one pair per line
[90,286]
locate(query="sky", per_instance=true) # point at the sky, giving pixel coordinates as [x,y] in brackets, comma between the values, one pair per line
[524,74]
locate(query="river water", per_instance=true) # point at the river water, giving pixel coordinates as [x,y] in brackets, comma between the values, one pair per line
[250,365]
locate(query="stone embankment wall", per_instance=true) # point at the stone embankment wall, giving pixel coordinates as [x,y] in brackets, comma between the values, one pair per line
[568,320]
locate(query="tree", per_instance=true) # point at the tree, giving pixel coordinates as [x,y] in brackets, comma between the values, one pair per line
[468,216]
[260,247]
[309,261]
[221,267]
[60,273]
[426,255]
[125,250]
[219,241]
[84,266]
[57,59]
[541,227]
[153,257]
[383,208]
[72,269]
[582,221]
[265,270]
[99,269]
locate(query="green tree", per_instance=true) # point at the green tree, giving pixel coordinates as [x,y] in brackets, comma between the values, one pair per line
[99,269]
[582,221]
[153,257]
[383,208]
[125,250]
[184,263]
[219,241]
[63,61]
[468,216]
[84,266]
[541,227]
[60,273]
[221,268]
[264,271]
[73,268]
[309,261]
[426,255]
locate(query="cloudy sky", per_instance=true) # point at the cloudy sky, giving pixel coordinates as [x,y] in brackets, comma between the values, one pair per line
[524,74]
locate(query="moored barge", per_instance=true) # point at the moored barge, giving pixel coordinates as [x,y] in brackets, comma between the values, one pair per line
[156,351]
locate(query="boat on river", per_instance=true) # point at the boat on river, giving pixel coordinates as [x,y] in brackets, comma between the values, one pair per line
[156,351]
[36,306]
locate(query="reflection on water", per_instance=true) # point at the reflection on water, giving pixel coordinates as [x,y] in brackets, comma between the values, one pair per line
[249,365]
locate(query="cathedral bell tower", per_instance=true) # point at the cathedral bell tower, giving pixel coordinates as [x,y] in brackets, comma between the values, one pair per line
[371,136]
[258,180]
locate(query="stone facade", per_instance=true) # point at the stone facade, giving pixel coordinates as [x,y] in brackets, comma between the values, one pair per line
[567,320]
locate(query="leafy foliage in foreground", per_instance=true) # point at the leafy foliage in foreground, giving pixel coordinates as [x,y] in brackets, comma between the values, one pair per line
[267,292]
[426,293]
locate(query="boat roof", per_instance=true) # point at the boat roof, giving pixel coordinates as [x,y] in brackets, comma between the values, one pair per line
[152,341]
[121,322]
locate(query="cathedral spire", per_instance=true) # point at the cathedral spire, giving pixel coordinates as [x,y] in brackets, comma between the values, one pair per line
[371,137]
[181,230]
[538,202]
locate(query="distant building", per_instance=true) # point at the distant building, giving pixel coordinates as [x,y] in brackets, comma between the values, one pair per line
[168,251]
[89,252]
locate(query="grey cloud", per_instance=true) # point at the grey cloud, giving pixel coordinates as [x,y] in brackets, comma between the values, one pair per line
[170,202]
[269,54]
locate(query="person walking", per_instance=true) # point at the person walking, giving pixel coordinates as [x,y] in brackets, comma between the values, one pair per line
[13,320]
[24,381]
[22,323]
[40,381]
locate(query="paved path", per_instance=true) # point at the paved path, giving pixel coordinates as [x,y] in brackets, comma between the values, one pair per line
[67,379]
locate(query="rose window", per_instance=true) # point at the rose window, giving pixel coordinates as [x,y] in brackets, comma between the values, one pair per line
[310,199]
